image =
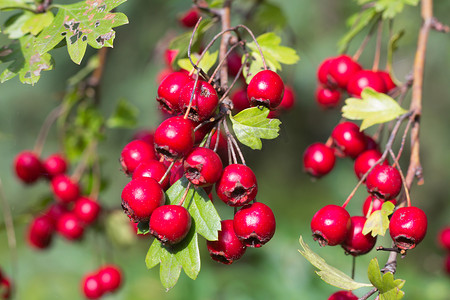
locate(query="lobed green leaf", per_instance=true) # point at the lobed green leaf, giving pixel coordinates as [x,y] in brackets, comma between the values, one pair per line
[378,221]
[388,287]
[207,62]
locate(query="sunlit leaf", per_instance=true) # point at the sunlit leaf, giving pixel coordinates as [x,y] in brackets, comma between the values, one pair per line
[37,22]
[207,62]
[378,221]
[388,287]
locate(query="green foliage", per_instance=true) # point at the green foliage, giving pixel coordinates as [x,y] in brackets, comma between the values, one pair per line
[27,22]
[373,108]
[388,287]
[125,115]
[393,41]
[251,125]
[378,222]
[207,62]
[390,8]
[143,228]
[14,4]
[328,273]
[270,15]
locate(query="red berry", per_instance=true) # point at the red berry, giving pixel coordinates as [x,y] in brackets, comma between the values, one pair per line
[174,138]
[266,88]
[389,84]
[240,100]
[110,278]
[54,165]
[140,197]
[330,225]
[384,182]
[254,224]
[28,167]
[237,186]
[86,209]
[64,189]
[5,287]
[169,56]
[376,204]
[190,18]
[170,223]
[327,98]
[323,71]
[70,227]
[288,101]
[204,103]
[40,232]
[134,153]
[318,159]
[169,91]
[444,238]
[222,146]
[176,172]
[356,242]
[343,295]
[349,139]
[342,68]
[55,211]
[408,226]
[234,62]
[371,144]
[153,169]
[203,167]
[365,161]
[91,286]
[228,248]
[201,131]
[363,79]
[163,74]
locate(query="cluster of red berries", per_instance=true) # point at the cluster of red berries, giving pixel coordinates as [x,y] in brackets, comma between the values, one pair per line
[444,242]
[343,73]
[5,286]
[107,279]
[71,212]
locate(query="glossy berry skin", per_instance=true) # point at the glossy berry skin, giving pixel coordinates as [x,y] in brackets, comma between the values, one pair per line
[204,103]
[348,139]
[174,138]
[327,98]
[190,18]
[203,167]
[342,69]
[54,165]
[91,287]
[288,101]
[356,243]
[363,79]
[28,167]
[110,278]
[376,204]
[365,161]
[153,169]
[64,189]
[135,153]
[388,82]
[318,160]
[444,238]
[170,223]
[228,248]
[237,186]
[330,225]
[140,197]
[324,70]
[343,295]
[55,211]
[87,210]
[169,91]
[254,224]
[234,62]
[266,88]
[384,182]
[408,227]
[169,56]
[240,100]
[70,227]
[176,172]
[40,232]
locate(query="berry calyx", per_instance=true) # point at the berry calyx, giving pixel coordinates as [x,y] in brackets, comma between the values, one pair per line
[86,209]
[363,79]
[91,286]
[204,102]
[408,227]
[54,165]
[266,88]
[135,153]
[444,238]
[70,227]
[376,204]
[318,160]
[237,186]
[342,69]
[330,225]
[170,223]
[64,189]
[356,243]
[228,248]
[40,232]
[28,167]
[110,278]
[327,98]
[384,182]
[174,138]
[343,295]
[203,167]
[153,169]
[365,161]
[169,91]
[349,139]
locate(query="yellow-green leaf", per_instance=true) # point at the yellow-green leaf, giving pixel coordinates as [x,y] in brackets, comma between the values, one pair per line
[388,287]
[37,22]
[207,62]
[378,222]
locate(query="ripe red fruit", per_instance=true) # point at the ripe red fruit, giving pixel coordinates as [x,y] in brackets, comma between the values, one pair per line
[323,71]
[91,286]
[342,68]
[70,227]
[288,101]
[343,295]
[140,197]
[365,161]
[153,169]
[371,143]
[64,189]
[169,91]
[40,232]
[170,223]
[234,62]
[204,102]
[254,224]
[408,226]
[349,139]
[5,287]
[266,88]
[240,100]
[365,78]
[174,138]
[384,182]
[28,167]
[318,159]
[134,153]
[330,225]
[222,147]
[390,85]
[54,165]
[202,167]
[228,248]
[169,56]
[176,172]
[444,238]
[356,243]
[55,211]
[237,186]
[327,98]
[376,204]
[110,278]
[86,209]
[190,18]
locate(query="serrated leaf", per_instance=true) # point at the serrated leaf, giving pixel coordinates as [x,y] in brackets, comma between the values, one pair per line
[373,108]
[251,125]
[207,62]
[388,287]
[125,115]
[86,22]
[328,273]
[357,23]
[378,221]
[143,228]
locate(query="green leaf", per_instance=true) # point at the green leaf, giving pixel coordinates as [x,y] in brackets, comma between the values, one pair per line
[37,22]
[388,287]
[17,4]
[143,228]
[270,15]
[125,115]
[169,270]
[82,23]
[154,253]
[328,273]
[251,125]
[207,62]
[373,108]
[13,26]
[391,8]
[357,23]
[378,222]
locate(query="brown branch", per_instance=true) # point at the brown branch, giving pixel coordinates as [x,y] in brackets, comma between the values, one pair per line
[226,24]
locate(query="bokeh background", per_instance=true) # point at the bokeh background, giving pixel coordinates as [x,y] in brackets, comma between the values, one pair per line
[276,271]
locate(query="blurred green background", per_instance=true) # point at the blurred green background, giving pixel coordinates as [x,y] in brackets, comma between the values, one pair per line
[276,271]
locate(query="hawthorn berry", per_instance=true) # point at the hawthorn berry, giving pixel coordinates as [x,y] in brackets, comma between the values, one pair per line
[288,101]
[169,56]
[343,295]
[65,189]
[323,71]
[28,167]
[176,172]
[407,227]
[55,211]
[153,169]
[444,238]
[342,68]
[266,88]
[54,165]
[254,224]
[318,159]
[222,146]
[202,167]
[327,98]
[204,102]
[170,223]
[365,161]
[387,79]
[169,91]
[86,209]
[134,153]
[330,225]
[190,18]
[40,232]
[349,139]
[237,186]
[384,182]
[110,277]
[376,204]
[174,138]
[70,227]
[363,79]
[234,63]
[356,243]
[91,287]
[5,288]
[240,100]
[228,248]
